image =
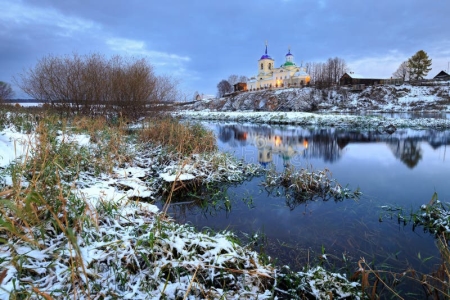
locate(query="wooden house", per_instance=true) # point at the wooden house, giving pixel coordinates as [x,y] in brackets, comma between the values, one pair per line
[356,79]
[442,76]
[240,87]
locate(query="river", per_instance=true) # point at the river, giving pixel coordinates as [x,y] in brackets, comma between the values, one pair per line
[396,172]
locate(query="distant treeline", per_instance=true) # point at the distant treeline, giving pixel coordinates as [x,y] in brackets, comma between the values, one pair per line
[22,101]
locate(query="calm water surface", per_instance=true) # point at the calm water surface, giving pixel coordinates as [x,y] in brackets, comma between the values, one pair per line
[400,170]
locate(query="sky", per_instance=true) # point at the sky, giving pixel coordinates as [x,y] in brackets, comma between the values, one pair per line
[201,42]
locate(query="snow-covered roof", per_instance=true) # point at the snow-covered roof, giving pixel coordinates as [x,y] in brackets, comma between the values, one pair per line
[354,75]
[301,73]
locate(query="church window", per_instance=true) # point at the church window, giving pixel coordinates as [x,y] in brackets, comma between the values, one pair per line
[262,66]
[270,66]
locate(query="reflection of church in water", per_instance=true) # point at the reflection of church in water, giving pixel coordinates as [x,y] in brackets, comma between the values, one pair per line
[285,146]
[268,142]
[327,144]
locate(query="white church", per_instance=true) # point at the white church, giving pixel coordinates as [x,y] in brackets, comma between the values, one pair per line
[287,75]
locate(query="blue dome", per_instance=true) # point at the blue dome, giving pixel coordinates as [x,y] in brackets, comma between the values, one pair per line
[265,56]
[289,53]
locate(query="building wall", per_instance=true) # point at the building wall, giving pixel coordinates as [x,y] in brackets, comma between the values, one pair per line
[279,77]
[268,66]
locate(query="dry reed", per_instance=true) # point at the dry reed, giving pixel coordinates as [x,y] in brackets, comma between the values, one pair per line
[183,138]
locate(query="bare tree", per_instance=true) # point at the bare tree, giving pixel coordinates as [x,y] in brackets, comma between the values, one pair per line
[319,74]
[328,73]
[402,71]
[338,67]
[224,87]
[243,78]
[92,84]
[233,79]
[6,91]
[166,89]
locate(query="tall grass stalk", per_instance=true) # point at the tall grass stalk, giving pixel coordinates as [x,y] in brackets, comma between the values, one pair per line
[177,136]
[40,208]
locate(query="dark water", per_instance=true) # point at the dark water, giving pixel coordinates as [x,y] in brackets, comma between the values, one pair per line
[400,170]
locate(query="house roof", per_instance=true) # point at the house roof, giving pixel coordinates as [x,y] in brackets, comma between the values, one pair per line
[354,75]
[301,73]
[359,76]
[442,74]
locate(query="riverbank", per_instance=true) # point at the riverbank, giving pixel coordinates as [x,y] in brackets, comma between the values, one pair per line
[77,220]
[326,119]
[379,99]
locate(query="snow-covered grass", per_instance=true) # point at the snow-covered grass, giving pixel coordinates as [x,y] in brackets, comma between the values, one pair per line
[435,217]
[307,185]
[72,224]
[127,251]
[303,118]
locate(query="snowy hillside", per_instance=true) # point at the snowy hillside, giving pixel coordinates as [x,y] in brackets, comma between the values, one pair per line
[403,98]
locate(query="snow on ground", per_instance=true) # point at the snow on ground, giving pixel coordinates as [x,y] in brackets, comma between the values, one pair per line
[128,234]
[391,98]
[12,145]
[303,118]
[379,98]
[409,93]
[118,237]
[124,226]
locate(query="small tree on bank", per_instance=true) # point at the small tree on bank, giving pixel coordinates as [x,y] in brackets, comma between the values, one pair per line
[419,65]
[93,85]
[402,71]
[6,91]
[224,87]
[243,78]
[233,79]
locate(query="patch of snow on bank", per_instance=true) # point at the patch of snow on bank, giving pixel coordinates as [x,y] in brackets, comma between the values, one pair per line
[178,177]
[13,145]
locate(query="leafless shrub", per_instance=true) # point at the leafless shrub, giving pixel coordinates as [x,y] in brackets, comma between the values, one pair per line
[6,91]
[93,85]
[224,87]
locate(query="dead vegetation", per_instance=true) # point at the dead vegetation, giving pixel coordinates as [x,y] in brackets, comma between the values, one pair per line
[92,85]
